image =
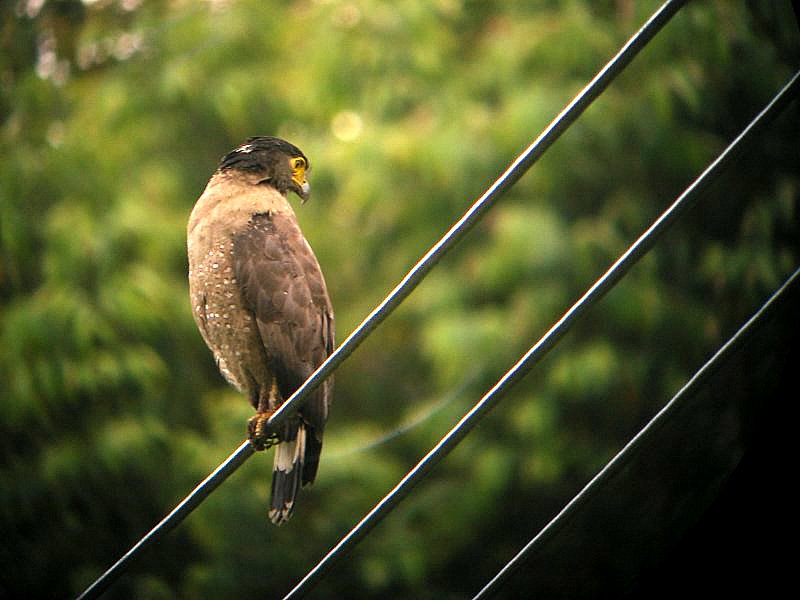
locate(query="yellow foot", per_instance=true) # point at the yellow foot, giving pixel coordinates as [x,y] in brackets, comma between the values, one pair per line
[257,432]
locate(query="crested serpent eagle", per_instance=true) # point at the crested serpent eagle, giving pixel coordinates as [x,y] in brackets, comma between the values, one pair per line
[261,304]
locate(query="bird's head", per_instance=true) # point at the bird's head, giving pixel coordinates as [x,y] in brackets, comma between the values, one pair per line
[274,161]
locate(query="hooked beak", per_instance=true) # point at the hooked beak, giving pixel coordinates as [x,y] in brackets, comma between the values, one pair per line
[304,191]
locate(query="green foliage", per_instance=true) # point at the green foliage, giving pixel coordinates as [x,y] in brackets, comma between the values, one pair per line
[114,115]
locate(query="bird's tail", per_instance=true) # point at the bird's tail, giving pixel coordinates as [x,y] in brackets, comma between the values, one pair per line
[287,473]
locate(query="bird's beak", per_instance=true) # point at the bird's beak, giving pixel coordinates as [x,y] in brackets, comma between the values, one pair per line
[305,191]
[301,185]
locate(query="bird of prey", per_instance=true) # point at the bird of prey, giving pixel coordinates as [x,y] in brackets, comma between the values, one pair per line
[261,304]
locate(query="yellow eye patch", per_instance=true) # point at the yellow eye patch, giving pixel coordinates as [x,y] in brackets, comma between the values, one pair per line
[299,166]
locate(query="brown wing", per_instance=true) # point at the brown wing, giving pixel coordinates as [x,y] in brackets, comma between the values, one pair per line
[283,286]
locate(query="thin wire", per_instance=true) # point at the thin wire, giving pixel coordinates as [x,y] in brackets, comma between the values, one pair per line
[620,459]
[638,249]
[412,279]
[404,428]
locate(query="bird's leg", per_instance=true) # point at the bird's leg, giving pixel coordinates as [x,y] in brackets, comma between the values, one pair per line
[257,433]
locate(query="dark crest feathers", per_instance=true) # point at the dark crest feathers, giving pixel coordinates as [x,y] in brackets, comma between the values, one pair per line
[257,153]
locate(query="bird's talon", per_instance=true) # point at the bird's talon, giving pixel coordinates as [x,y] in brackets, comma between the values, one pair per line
[257,433]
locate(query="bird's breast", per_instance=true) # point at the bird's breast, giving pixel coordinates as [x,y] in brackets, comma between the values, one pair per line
[224,211]
[228,328]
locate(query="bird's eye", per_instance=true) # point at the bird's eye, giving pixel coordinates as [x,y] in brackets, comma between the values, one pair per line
[298,163]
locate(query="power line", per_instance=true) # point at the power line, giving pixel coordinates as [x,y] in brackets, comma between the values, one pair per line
[407,285]
[414,422]
[620,460]
[622,265]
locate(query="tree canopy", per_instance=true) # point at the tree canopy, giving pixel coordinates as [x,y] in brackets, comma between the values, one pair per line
[113,114]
